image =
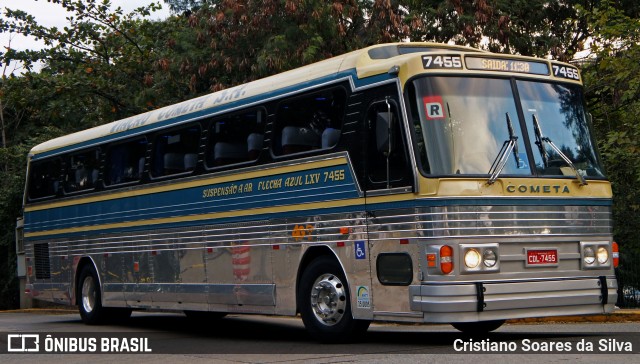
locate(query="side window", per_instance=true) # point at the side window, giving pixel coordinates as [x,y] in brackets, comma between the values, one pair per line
[44,179]
[237,138]
[125,162]
[176,151]
[386,156]
[310,122]
[81,171]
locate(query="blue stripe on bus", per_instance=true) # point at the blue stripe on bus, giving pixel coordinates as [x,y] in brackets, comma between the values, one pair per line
[356,208]
[302,187]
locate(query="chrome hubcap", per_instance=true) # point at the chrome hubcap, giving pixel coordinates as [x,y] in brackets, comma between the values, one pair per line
[88,294]
[328,299]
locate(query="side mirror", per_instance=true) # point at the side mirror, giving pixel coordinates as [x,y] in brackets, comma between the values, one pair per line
[384,132]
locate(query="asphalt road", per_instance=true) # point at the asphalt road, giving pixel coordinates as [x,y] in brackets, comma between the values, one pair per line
[172,338]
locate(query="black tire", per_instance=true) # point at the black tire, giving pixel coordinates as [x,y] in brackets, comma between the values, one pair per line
[481,327]
[325,304]
[89,297]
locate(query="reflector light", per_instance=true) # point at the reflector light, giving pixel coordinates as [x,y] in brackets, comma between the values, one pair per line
[344,230]
[340,244]
[446,259]
[404,241]
[431,260]
[615,255]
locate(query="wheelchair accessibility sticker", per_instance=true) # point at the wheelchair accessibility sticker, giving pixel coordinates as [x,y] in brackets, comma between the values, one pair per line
[360,250]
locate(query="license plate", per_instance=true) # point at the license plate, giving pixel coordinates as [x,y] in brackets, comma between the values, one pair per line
[542,257]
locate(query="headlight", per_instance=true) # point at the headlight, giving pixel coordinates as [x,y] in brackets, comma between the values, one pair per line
[603,255]
[597,254]
[472,258]
[489,258]
[483,258]
[589,255]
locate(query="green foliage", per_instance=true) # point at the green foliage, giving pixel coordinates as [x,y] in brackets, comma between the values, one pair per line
[104,65]
[613,90]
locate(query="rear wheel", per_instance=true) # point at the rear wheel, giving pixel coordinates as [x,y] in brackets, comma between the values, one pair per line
[90,297]
[481,327]
[90,300]
[325,303]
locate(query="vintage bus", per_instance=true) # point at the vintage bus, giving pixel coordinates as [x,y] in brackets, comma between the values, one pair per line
[412,182]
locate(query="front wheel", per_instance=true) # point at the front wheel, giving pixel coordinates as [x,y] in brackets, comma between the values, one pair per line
[325,304]
[480,327]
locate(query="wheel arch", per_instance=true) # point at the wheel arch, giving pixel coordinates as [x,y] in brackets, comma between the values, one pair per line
[83,262]
[309,256]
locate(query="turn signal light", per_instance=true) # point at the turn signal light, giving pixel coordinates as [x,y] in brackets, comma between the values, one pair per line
[446,259]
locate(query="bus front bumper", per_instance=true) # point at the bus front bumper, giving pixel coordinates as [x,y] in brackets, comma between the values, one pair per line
[445,302]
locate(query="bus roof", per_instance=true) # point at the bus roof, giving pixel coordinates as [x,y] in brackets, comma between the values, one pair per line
[366,62]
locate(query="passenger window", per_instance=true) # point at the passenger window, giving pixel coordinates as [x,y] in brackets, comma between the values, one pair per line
[81,171]
[310,122]
[125,162]
[44,179]
[176,151]
[237,138]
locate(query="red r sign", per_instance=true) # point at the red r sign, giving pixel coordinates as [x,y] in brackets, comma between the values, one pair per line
[434,107]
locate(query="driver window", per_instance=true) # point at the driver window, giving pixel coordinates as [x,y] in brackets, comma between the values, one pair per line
[396,172]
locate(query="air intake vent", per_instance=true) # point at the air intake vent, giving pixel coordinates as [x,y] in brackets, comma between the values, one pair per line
[43,267]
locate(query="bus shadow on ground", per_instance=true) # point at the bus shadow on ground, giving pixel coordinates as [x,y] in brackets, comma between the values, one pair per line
[233,334]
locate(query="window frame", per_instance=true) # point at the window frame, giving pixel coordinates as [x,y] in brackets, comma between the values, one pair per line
[152,158]
[66,158]
[107,161]
[33,165]
[208,162]
[279,125]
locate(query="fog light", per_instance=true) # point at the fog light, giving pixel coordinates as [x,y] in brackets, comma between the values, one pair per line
[589,255]
[489,258]
[603,255]
[471,258]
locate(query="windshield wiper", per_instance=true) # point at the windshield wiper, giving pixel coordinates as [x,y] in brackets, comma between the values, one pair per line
[509,145]
[540,142]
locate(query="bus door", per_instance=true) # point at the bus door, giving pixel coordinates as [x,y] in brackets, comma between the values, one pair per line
[388,179]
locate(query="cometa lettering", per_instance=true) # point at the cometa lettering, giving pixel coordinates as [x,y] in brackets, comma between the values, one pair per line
[538,189]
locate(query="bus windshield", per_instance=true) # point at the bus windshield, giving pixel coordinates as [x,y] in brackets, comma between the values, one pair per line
[464,126]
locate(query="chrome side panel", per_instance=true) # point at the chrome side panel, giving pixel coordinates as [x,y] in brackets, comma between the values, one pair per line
[253,267]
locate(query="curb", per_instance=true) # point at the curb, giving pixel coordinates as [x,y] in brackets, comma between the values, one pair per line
[620,315]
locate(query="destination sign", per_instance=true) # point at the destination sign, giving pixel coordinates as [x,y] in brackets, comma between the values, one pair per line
[506,65]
